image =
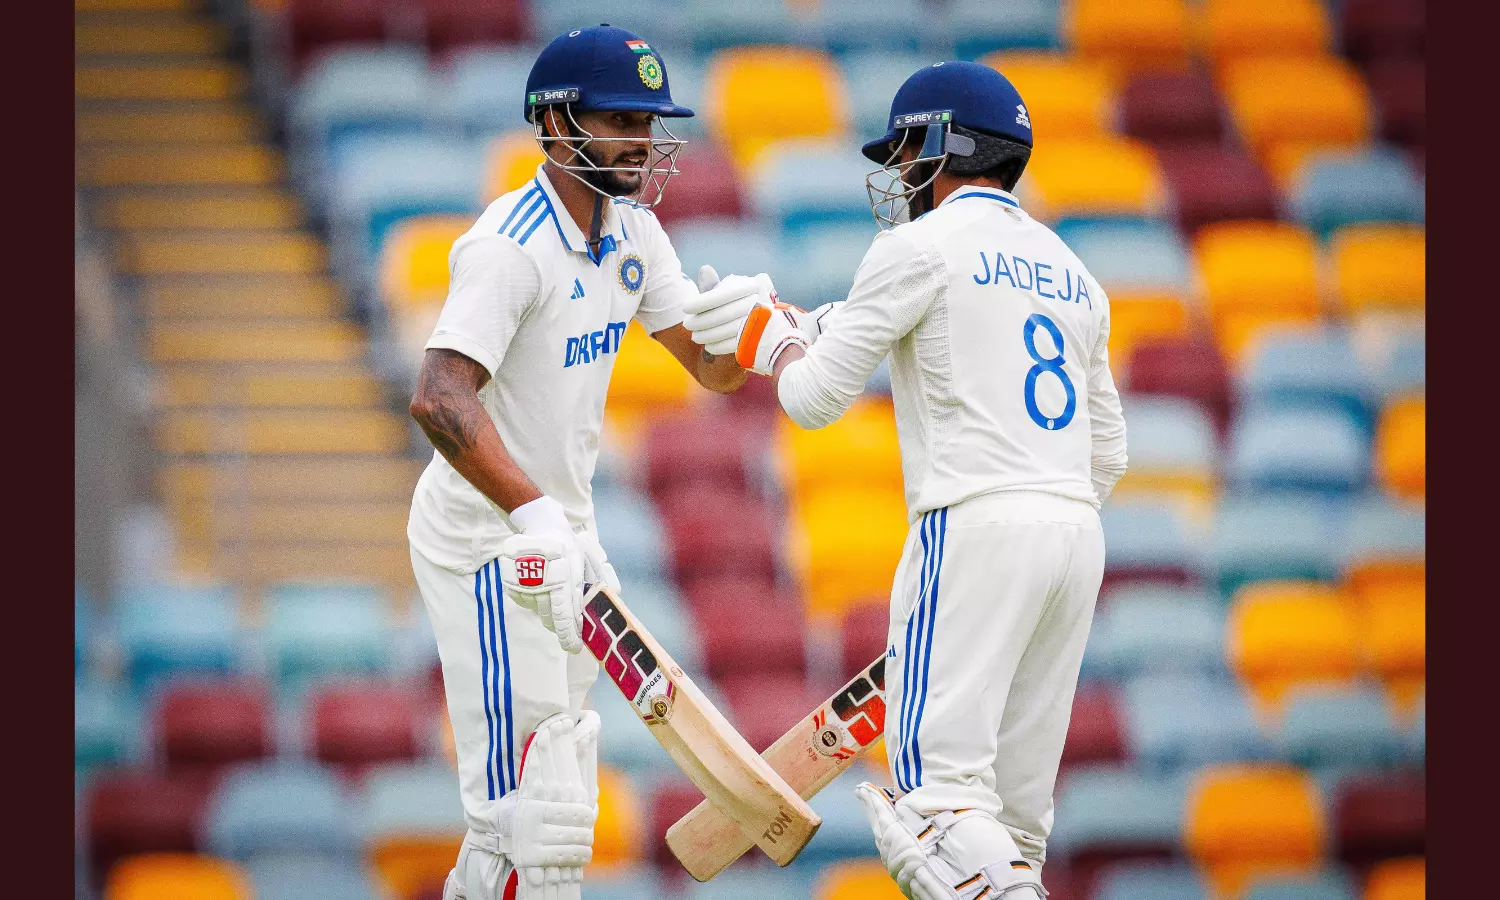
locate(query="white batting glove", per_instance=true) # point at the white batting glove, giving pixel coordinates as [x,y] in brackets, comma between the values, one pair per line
[767,332]
[542,569]
[546,826]
[596,565]
[716,316]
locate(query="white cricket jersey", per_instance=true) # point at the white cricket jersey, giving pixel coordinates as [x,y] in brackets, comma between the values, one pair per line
[528,302]
[997,340]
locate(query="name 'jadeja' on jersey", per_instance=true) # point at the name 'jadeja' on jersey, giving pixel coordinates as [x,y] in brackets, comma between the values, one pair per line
[1037,277]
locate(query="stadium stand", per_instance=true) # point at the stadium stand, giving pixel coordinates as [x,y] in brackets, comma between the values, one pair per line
[1245,179]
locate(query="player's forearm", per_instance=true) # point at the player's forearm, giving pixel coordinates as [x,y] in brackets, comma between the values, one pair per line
[446,406]
[720,374]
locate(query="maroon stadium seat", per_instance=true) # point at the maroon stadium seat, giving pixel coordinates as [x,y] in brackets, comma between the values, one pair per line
[763,706]
[1191,369]
[1169,107]
[684,450]
[131,811]
[314,24]
[865,630]
[1094,731]
[454,23]
[714,534]
[357,725]
[1379,817]
[671,799]
[1373,29]
[741,634]
[1215,182]
[1399,87]
[752,592]
[207,725]
[705,187]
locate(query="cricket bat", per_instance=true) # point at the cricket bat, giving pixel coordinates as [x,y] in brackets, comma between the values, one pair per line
[816,751]
[760,806]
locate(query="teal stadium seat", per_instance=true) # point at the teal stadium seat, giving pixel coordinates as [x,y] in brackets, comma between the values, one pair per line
[165,631]
[483,89]
[380,179]
[285,809]
[412,798]
[1315,365]
[1173,721]
[1415,742]
[1260,537]
[1151,881]
[1150,540]
[716,25]
[660,22]
[1385,529]
[797,185]
[1340,188]
[304,878]
[631,531]
[83,626]
[830,255]
[1168,434]
[847,26]
[1157,628]
[845,832]
[1116,810]
[1324,884]
[315,630]
[875,77]
[107,725]
[730,247]
[1132,254]
[1339,727]
[977,27]
[764,881]
[642,884]
[1299,448]
[1402,367]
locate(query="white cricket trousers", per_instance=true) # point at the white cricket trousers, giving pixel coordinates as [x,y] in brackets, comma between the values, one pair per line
[990,612]
[503,673]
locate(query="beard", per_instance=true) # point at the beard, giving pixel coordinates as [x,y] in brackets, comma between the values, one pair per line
[615,184]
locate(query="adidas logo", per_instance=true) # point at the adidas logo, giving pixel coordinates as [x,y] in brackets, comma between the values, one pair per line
[1021,117]
[577,290]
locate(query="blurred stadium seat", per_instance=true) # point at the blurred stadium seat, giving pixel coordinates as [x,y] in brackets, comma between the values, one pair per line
[1339,727]
[165,631]
[1398,879]
[1150,541]
[1296,103]
[131,812]
[1066,96]
[748,116]
[1339,188]
[1176,721]
[1173,450]
[1283,634]
[1215,182]
[1326,884]
[864,879]
[454,23]
[281,807]
[415,824]
[1401,448]
[1151,35]
[177,876]
[1099,177]
[1237,28]
[1311,449]
[1244,821]
[1095,733]
[206,725]
[1159,881]
[325,629]
[359,724]
[1168,107]
[1379,266]
[301,878]
[1380,816]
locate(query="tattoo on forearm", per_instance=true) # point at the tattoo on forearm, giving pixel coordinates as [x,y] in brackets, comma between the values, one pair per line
[452,426]
[452,415]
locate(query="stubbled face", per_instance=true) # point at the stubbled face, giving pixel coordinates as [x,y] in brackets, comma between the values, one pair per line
[625,144]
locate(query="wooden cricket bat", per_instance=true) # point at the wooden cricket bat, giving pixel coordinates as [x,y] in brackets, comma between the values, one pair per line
[758,803]
[816,751]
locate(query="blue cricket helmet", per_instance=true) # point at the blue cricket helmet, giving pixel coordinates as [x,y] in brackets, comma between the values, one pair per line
[601,68]
[976,96]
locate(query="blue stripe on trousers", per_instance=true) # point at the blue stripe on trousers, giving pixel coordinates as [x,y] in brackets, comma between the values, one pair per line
[903,767]
[484,678]
[932,600]
[510,742]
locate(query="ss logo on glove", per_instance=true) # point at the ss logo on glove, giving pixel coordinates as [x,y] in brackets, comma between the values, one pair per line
[530,570]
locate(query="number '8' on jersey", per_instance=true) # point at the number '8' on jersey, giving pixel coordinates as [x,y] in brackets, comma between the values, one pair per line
[1047,365]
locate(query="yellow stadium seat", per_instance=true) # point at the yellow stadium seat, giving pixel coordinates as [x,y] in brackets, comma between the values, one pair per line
[1099,177]
[409,863]
[1231,29]
[1135,317]
[1246,821]
[619,825]
[1238,331]
[413,269]
[1142,34]
[1393,634]
[510,161]
[647,380]
[1256,274]
[846,543]
[1380,265]
[1401,448]
[1309,102]
[856,879]
[1283,634]
[859,450]
[1398,879]
[761,95]
[176,876]
[1066,97]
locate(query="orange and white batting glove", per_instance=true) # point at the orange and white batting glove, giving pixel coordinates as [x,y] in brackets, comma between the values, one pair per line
[769,330]
[717,314]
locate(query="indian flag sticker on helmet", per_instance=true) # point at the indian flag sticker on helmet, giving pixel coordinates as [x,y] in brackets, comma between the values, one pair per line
[638,46]
[650,72]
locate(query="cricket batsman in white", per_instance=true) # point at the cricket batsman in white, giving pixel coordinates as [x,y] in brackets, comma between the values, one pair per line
[511,394]
[1011,437]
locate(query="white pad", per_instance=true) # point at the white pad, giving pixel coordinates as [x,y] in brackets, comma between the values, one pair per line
[543,573]
[964,855]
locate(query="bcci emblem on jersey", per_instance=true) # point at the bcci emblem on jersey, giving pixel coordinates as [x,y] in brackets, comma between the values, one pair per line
[632,273]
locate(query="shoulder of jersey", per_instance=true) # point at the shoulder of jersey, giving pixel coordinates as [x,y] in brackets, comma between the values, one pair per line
[524,215]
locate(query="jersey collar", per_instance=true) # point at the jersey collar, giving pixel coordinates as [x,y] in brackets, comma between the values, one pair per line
[984,191]
[572,236]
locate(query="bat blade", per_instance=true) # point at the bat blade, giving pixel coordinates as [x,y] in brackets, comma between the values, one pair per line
[760,806]
[809,756]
